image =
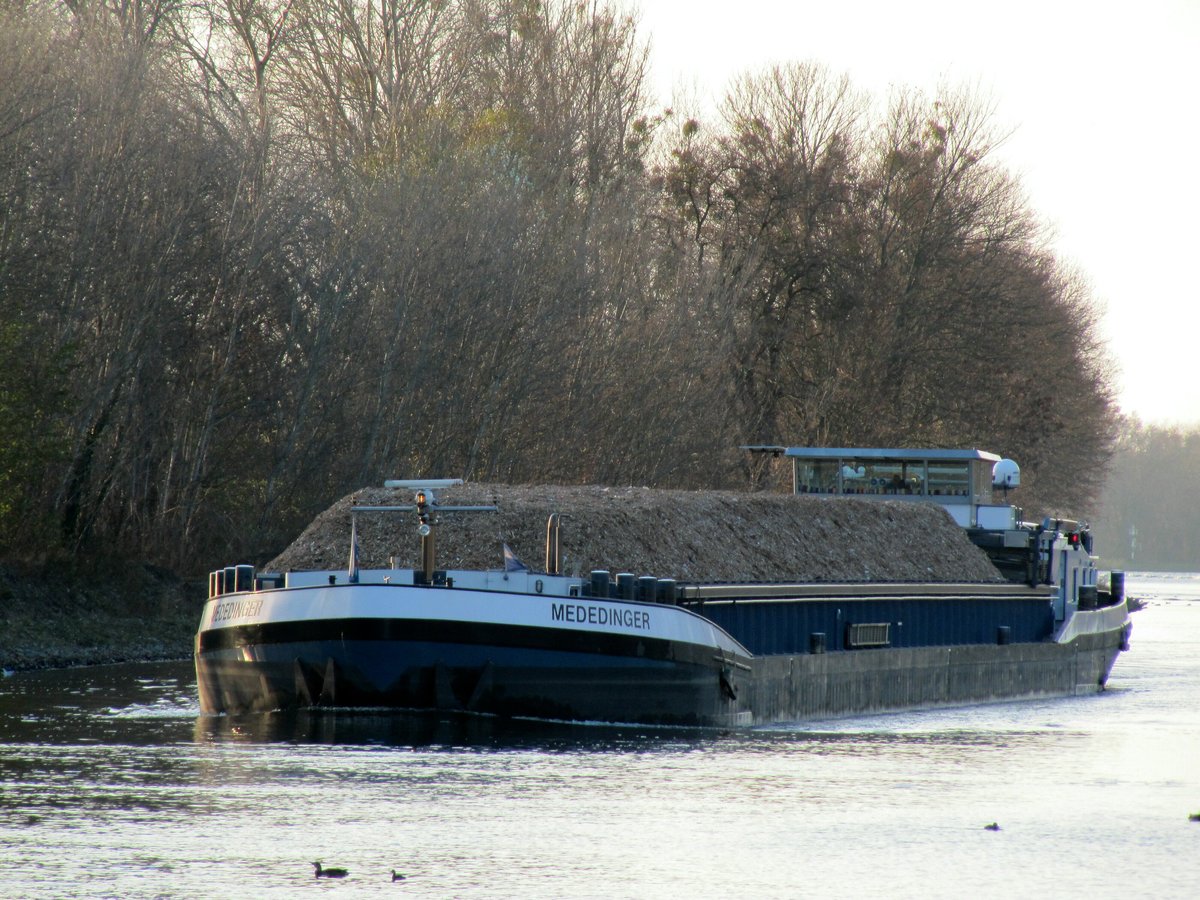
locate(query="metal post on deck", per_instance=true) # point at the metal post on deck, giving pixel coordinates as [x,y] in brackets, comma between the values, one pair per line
[428,553]
[553,546]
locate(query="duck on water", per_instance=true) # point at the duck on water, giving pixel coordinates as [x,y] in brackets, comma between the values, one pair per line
[329,873]
[630,648]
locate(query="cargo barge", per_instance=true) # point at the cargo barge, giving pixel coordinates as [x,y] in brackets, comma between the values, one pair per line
[626,648]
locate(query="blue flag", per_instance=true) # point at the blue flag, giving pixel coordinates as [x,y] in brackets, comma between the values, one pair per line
[511,563]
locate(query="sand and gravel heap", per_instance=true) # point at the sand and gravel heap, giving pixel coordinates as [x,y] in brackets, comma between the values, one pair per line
[686,535]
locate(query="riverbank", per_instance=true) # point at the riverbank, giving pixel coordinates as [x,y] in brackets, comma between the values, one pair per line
[54,616]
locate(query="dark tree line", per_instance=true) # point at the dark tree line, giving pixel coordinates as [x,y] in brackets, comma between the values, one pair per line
[257,253]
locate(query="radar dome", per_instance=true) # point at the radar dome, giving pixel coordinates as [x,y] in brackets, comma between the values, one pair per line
[1006,474]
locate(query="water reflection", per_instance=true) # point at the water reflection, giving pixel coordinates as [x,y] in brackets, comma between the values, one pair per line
[144,703]
[430,730]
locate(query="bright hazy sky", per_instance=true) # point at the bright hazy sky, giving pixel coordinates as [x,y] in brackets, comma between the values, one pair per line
[1102,97]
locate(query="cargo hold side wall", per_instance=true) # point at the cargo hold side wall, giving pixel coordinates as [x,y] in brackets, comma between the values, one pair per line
[812,686]
[767,627]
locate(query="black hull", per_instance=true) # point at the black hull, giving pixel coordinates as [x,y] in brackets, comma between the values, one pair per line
[500,681]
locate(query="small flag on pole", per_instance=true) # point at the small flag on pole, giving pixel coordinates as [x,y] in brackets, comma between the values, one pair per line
[511,562]
[352,570]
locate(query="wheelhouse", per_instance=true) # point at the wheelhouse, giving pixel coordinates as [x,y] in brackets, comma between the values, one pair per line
[959,480]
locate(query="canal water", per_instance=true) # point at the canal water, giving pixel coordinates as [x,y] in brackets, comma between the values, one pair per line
[112,785]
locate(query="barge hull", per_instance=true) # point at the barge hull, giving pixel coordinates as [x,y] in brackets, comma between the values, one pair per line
[580,686]
[814,686]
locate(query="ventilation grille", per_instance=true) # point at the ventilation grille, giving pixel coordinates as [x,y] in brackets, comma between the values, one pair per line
[871,634]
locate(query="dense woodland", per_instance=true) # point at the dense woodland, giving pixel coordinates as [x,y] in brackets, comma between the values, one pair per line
[255,254]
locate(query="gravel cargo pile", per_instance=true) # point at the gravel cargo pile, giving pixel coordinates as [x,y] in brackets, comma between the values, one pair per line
[686,535]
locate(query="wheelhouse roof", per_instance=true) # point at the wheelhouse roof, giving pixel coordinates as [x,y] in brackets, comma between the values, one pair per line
[874,453]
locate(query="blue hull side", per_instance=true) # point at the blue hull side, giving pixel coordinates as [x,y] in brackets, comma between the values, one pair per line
[769,627]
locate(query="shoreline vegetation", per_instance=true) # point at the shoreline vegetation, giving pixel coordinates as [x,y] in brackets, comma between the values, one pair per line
[108,612]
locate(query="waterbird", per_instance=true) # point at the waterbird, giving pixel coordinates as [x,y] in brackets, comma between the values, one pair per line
[1194,817]
[992,827]
[396,876]
[329,873]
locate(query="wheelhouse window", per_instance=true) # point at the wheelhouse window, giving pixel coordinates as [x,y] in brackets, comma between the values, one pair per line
[892,477]
[817,477]
[982,487]
[949,479]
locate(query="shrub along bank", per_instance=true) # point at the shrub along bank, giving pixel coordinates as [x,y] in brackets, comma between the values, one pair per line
[53,616]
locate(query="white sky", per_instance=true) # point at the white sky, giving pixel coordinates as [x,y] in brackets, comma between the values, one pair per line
[1103,99]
